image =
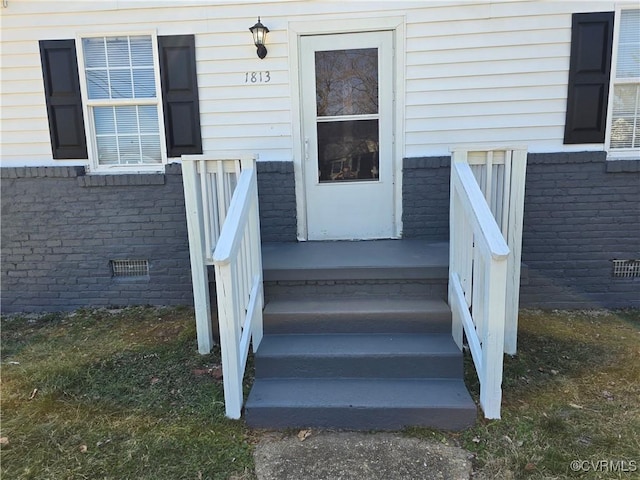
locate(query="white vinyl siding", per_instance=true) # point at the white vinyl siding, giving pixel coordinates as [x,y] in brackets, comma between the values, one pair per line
[625,111]
[476,71]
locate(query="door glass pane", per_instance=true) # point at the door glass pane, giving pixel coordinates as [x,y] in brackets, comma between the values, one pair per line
[348,151]
[347,82]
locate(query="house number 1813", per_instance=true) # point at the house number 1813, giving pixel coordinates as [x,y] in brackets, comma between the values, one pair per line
[257,77]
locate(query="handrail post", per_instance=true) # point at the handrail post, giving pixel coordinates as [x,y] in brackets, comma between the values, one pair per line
[229,340]
[457,330]
[514,240]
[199,274]
[256,258]
[493,338]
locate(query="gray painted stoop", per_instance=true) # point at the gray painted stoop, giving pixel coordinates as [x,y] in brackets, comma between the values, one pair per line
[357,353]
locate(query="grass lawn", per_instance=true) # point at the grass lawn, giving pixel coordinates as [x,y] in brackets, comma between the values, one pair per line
[123,394]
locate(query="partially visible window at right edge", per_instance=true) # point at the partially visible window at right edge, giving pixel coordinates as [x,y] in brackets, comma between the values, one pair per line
[625,113]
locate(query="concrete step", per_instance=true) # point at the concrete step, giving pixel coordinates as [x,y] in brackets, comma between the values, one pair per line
[358,355]
[359,403]
[340,314]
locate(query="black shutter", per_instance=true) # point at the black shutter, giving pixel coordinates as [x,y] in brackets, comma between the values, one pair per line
[180,94]
[64,102]
[589,71]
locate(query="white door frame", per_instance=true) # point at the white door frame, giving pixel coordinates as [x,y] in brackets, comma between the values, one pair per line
[341,25]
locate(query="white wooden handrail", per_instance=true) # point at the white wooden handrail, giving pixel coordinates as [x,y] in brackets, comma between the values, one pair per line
[477,283]
[209,182]
[238,267]
[221,201]
[500,172]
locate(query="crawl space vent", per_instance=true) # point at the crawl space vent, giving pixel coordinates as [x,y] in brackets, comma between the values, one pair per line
[626,268]
[130,268]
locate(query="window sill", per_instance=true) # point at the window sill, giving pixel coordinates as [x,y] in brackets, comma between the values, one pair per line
[121,179]
[627,164]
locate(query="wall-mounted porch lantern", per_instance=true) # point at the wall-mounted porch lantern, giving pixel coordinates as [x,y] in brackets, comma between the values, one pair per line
[259,32]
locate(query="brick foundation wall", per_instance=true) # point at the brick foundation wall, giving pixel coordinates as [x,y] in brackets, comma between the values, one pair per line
[61,228]
[425,198]
[581,212]
[277,193]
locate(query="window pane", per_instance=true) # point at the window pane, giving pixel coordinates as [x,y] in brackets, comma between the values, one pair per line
[148,117]
[127,120]
[97,84]
[118,51]
[107,151]
[119,67]
[151,149]
[622,132]
[628,63]
[141,51]
[129,146]
[127,135]
[347,82]
[348,150]
[94,52]
[121,84]
[625,100]
[144,83]
[103,120]
[624,128]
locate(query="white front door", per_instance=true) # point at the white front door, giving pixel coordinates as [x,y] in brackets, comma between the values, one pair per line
[347,110]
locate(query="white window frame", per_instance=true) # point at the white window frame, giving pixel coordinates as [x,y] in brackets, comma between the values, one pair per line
[88,104]
[618,153]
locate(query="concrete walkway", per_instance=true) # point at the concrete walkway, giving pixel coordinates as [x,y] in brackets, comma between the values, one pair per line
[358,456]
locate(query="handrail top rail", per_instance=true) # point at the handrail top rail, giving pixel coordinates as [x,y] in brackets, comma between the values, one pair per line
[491,234]
[231,233]
[487,148]
[219,157]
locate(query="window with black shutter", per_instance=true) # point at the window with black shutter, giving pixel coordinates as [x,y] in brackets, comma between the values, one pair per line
[123,90]
[589,72]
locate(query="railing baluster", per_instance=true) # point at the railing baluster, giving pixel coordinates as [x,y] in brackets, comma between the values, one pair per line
[215,207]
[222,202]
[477,290]
[506,193]
[496,189]
[488,176]
[202,171]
